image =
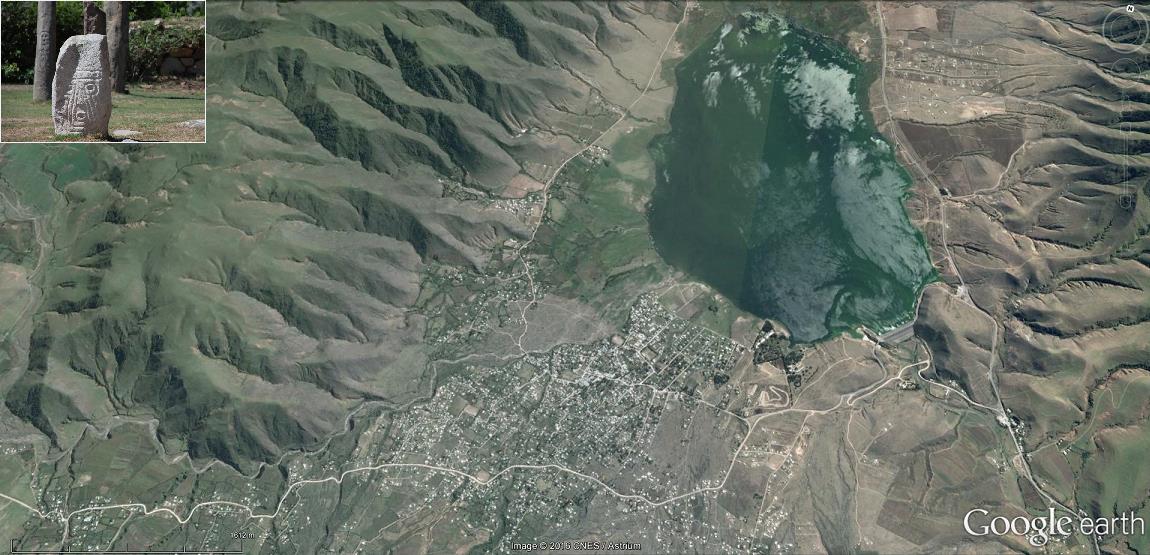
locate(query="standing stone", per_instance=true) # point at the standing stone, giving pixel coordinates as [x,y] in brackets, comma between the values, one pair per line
[45,51]
[82,92]
[94,20]
[118,45]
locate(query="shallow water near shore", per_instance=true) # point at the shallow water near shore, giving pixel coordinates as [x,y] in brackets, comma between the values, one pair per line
[775,187]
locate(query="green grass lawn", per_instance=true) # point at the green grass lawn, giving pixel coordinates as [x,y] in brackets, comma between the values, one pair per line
[156,112]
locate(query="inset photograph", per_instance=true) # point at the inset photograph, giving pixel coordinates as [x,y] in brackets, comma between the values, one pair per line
[102,71]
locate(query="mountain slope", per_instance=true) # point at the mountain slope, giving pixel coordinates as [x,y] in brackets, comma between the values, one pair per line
[248,293]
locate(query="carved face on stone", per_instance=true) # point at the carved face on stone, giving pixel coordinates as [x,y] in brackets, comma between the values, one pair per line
[81,100]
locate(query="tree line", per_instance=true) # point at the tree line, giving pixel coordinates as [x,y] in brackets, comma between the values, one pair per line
[32,28]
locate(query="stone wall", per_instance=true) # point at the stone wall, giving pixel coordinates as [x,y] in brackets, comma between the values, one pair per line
[172,47]
[183,62]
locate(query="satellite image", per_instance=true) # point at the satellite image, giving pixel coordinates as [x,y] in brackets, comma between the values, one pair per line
[626,277]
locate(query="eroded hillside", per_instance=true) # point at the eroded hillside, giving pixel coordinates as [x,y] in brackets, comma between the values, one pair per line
[248,293]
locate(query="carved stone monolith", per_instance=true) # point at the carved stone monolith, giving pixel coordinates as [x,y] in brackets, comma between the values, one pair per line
[81,91]
[118,45]
[95,21]
[45,51]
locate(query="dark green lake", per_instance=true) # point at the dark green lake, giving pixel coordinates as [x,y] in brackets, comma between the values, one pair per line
[775,187]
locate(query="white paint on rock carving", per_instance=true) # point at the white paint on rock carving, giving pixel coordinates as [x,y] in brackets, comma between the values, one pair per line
[81,90]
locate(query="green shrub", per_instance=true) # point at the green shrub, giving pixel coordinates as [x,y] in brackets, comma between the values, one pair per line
[12,73]
[149,44]
[140,11]
[69,21]
[18,25]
